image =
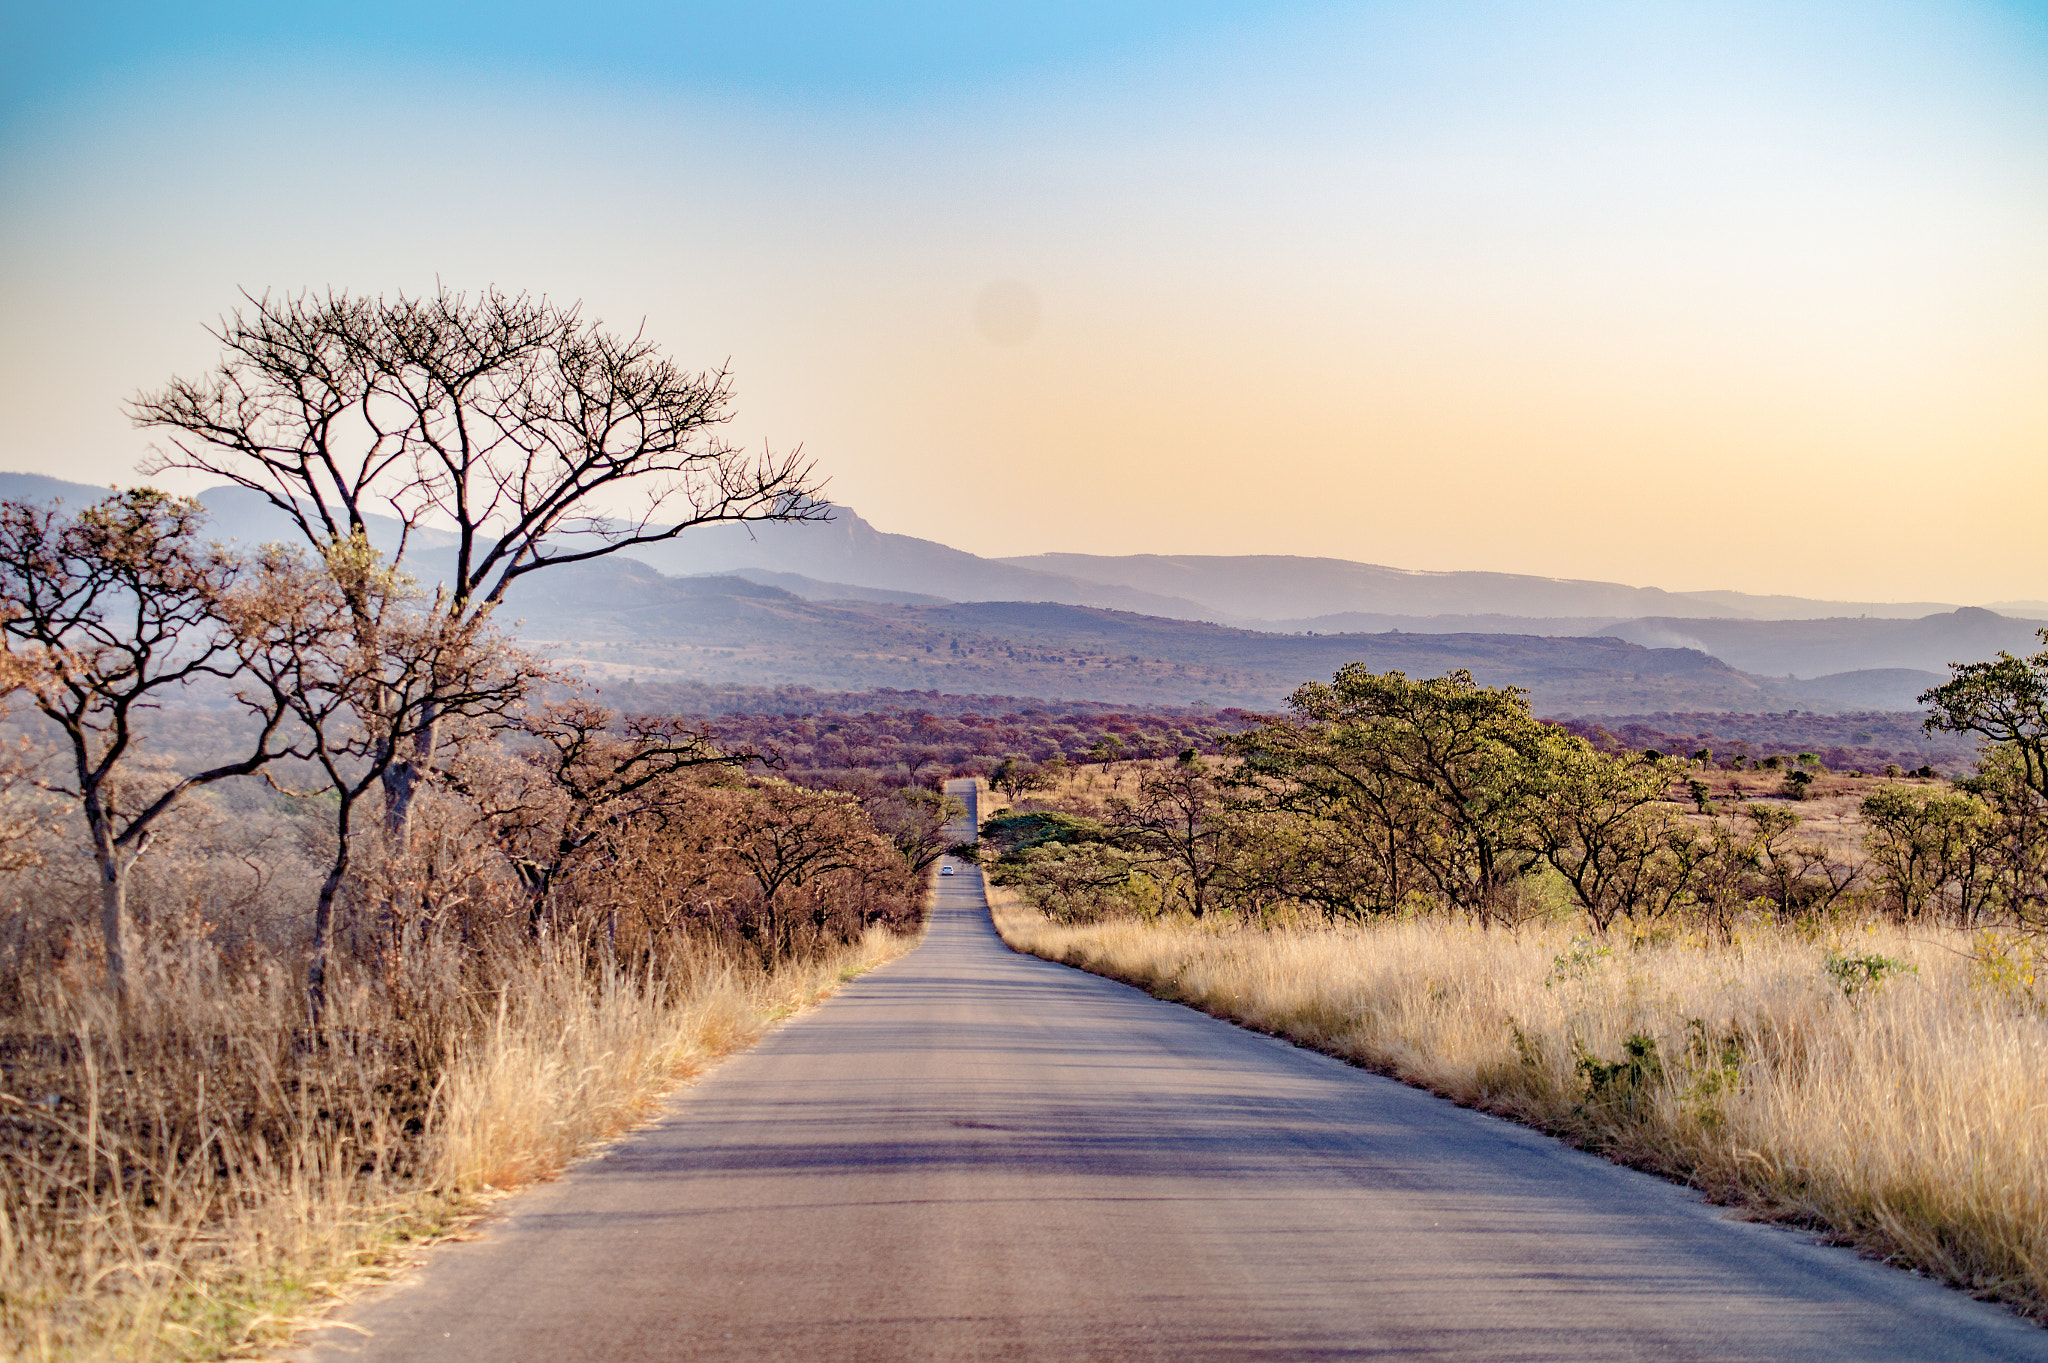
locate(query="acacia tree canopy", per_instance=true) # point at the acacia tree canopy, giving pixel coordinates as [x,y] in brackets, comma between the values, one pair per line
[507,424]
[509,421]
[1450,761]
[2004,700]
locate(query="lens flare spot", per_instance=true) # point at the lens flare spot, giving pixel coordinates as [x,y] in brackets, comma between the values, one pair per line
[1006,312]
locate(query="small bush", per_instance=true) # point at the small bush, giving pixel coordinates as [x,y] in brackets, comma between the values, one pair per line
[1859,974]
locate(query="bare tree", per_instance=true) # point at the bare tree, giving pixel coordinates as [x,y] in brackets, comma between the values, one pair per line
[105,614]
[912,818]
[586,774]
[792,836]
[507,422]
[1180,816]
[344,649]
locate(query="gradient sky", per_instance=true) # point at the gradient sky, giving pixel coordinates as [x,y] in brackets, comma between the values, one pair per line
[1743,295]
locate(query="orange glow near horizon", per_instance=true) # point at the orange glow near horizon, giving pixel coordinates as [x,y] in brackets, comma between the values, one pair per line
[1742,300]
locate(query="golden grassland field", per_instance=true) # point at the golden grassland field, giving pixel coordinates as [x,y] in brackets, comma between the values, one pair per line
[194,1184]
[1819,1048]
[1882,1085]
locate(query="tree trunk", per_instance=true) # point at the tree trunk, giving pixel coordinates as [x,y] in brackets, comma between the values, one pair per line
[323,916]
[323,934]
[401,787]
[106,855]
[113,908]
[406,774]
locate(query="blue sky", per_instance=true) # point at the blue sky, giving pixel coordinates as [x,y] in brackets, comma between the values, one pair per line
[1473,285]
[806,53]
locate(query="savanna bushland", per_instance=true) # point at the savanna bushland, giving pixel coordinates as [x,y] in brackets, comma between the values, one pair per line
[324,909]
[1820,995]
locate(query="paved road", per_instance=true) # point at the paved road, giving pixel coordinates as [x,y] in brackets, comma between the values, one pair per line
[974,1155]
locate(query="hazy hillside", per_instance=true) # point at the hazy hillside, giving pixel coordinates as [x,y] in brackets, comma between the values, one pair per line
[810,589]
[1285,587]
[623,619]
[1492,622]
[1807,648]
[1442,619]
[37,487]
[850,551]
[1873,688]
[1803,648]
[233,513]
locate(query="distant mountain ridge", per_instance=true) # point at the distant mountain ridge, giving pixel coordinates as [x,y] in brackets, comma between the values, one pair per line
[1773,648]
[1850,653]
[233,513]
[1256,590]
[1277,587]
[848,550]
[619,618]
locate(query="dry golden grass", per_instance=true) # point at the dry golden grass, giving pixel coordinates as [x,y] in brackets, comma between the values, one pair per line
[538,1087]
[197,1183]
[1904,1117]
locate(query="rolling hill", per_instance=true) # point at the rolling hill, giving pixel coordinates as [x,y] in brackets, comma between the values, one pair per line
[620,618]
[842,604]
[1810,649]
[1277,587]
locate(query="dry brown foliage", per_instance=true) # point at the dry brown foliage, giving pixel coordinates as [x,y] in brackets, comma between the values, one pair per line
[205,1168]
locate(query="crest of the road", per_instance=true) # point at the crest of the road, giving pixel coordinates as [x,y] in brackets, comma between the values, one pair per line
[971,1154]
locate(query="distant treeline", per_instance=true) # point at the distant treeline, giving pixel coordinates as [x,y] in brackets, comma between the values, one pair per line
[1866,741]
[715,700]
[1380,795]
[890,728]
[919,743]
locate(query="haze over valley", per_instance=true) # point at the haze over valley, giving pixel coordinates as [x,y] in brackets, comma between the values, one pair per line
[840,605]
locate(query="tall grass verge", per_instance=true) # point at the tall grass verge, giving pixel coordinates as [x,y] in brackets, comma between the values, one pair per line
[1884,1087]
[195,1179]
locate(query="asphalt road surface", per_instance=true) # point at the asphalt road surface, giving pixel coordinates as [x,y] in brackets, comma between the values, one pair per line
[969,1154]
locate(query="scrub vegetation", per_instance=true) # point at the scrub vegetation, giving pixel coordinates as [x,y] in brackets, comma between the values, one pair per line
[324,910]
[1840,1027]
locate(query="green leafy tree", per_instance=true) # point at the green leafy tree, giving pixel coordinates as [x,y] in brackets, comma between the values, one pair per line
[1018,776]
[1931,847]
[1069,867]
[1438,777]
[2014,839]
[1350,827]
[2004,700]
[1182,817]
[1603,833]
